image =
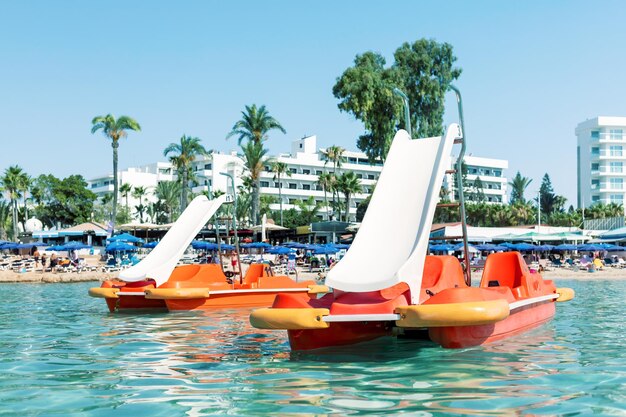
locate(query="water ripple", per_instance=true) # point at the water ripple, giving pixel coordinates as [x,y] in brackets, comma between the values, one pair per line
[62,354]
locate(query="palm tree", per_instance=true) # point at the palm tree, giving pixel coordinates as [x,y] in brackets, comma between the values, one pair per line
[334,154]
[280,168]
[167,192]
[325,180]
[253,127]
[125,191]
[139,193]
[254,158]
[114,129]
[183,155]
[348,183]
[12,181]
[5,210]
[26,182]
[518,186]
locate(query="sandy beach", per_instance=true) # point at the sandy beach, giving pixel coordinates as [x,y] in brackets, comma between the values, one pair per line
[67,277]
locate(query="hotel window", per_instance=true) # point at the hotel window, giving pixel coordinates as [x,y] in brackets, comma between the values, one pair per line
[319,188]
[595,198]
[292,201]
[265,184]
[207,166]
[292,186]
[615,150]
[616,166]
[595,151]
[318,172]
[277,185]
[595,167]
[617,198]
[497,173]
[359,176]
[293,170]
[370,176]
[615,134]
[617,183]
[306,186]
[595,134]
[306,171]
[595,184]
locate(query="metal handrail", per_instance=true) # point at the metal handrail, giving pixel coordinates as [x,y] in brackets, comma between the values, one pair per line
[407,113]
[459,176]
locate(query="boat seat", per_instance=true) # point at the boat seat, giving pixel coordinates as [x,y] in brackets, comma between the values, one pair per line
[504,269]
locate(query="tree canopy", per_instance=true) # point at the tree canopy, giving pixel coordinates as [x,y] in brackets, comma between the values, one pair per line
[423,70]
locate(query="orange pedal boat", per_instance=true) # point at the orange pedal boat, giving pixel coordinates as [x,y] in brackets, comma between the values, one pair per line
[156,281]
[404,291]
[192,287]
[509,300]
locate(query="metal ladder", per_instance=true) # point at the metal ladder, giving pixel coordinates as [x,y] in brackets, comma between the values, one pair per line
[459,179]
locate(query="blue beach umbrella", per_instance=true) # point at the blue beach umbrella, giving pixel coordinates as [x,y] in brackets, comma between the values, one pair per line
[324,250]
[120,247]
[256,245]
[565,247]
[280,250]
[10,245]
[55,248]
[590,247]
[150,245]
[75,246]
[125,237]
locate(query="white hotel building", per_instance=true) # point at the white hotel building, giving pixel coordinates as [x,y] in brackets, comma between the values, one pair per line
[601,160]
[305,163]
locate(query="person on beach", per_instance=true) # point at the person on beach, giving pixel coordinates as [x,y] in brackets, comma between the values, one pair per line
[36,255]
[43,261]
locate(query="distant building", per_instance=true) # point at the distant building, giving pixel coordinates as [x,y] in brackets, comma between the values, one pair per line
[601,160]
[305,163]
[147,176]
[491,174]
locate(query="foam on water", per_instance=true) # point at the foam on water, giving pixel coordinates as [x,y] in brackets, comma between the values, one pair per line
[61,353]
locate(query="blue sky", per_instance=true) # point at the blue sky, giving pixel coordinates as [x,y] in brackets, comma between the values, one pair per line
[532,71]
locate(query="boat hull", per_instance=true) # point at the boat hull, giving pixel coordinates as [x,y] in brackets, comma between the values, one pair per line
[519,321]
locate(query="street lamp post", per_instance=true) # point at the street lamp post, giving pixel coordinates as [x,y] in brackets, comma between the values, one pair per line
[217,235]
[232,181]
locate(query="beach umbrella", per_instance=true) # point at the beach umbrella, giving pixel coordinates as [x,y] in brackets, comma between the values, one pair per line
[256,245]
[9,245]
[524,247]
[614,248]
[279,250]
[295,245]
[341,245]
[125,237]
[75,246]
[545,248]
[441,247]
[118,246]
[590,247]
[565,247]
[459,246]
[324,250]
[150,245]
[55,248]
[491,247]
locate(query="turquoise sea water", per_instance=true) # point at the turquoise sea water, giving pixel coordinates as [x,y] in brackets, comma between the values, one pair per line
[63,354]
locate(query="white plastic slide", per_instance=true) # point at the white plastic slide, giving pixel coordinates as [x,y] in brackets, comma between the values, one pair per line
[160,263]
[391,244]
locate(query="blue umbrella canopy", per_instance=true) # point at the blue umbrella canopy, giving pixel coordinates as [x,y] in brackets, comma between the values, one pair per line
[9,245]
[442,247]
[119,246]
[150,245]
[202,245]
[491,247]
[55,247]
[565,247]
[256,245]
[30,245]
[280,250]
[523,247]
[324,250]
[545,248]
[125,237]
[590,247]
[341,245]
[75,246]
[296,245]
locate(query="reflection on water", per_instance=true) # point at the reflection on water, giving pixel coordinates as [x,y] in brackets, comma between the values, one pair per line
[61,353]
